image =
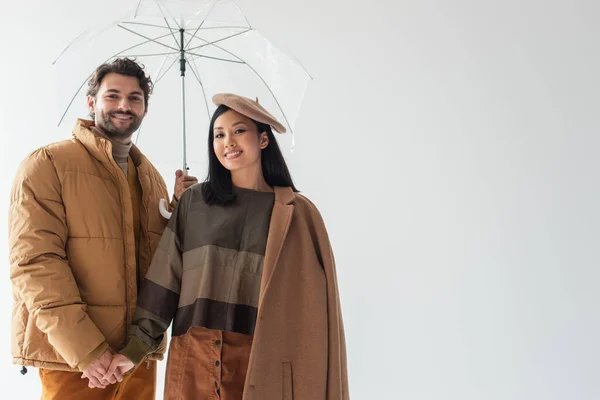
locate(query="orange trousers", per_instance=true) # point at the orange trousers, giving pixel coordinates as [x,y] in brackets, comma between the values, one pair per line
[62,385]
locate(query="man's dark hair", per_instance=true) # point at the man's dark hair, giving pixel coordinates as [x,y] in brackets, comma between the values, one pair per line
[121,66]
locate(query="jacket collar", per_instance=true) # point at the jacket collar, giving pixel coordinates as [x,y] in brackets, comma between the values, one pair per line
[136,156]
[99,147]
[284,195]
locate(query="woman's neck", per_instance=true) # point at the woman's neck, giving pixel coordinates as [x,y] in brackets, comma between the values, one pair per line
[250,178]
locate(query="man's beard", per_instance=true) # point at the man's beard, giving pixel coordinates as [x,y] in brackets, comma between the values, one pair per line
[104,122]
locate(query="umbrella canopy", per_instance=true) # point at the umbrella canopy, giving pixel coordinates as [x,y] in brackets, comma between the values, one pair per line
[192,50]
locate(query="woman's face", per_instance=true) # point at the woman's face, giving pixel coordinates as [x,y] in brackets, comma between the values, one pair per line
[237,143]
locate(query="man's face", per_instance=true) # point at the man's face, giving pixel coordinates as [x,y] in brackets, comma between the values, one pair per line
[119,106]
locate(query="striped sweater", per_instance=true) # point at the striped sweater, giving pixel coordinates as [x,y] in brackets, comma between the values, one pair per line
[206,271]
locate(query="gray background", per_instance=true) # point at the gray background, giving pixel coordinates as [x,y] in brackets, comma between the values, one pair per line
[451,147]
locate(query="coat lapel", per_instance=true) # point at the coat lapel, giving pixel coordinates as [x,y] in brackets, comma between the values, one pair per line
[281,218]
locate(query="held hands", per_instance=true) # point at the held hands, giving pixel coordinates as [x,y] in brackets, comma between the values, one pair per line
[119,366]
[182,182]
[107,370]
[96,372]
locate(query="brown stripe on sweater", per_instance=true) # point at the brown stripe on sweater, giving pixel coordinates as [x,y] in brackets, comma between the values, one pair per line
[215,315]
[157,299]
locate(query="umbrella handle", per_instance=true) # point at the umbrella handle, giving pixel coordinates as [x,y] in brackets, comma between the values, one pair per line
[162,207]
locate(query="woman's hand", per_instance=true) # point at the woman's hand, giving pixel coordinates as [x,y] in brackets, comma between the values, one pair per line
[97,370]
[119,366]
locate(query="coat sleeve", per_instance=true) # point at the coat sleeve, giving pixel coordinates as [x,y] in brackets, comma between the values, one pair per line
[159,291]
[39,268]
[337,373]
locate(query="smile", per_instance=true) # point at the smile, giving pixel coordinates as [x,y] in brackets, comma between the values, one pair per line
[122,117]
[233,154]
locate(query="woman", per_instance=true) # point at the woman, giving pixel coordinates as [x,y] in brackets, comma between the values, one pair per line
[246,273]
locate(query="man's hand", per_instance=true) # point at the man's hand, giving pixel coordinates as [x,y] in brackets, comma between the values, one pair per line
[119,365]
[183,182]
[95,372]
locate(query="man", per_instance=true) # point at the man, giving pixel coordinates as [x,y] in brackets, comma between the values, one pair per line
[83,226]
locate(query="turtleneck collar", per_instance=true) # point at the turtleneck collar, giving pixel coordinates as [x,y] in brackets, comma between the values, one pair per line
[119,150]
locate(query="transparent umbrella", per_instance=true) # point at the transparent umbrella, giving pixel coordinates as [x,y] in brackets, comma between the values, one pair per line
[192,49]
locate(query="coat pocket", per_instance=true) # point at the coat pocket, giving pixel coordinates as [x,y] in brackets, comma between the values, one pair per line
[288,381]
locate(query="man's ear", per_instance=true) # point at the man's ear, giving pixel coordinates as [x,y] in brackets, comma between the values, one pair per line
[91,103]
[264,140]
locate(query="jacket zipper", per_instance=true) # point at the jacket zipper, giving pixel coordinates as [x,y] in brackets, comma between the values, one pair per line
[120,189]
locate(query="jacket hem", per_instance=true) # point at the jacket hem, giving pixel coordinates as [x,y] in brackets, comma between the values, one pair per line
[64,366]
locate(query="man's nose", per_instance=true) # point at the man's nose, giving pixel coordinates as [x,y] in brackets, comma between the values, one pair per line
[124,104]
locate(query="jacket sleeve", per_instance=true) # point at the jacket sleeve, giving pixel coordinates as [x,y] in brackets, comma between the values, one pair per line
[159,291]
[39,268]
[337,373]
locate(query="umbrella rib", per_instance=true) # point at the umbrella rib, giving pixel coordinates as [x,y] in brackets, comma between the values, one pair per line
[147,38]
[137,8]
[241,12]
[302,65]
[167,22]
[80,87]
[218,40]
[90,75]
[111,57]
[162,65]
[215,58]
[171,30]
[263,81]
[69,45]
[197,75]
[259,77]
[165,61]
[194,35]
[166,71]
[144,24]
[272,94]
[73,99]
[165,17]
[201,23]
[224,27]
[148,55]
[137,136]
[133,47]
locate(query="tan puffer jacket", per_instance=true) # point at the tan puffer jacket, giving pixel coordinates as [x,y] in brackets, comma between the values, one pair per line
[72,250]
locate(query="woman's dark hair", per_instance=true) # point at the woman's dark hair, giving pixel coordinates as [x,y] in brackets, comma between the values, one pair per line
[218,187]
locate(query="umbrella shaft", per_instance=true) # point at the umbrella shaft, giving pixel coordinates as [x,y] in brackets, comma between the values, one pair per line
[182,70]
[184,150]
[181,53]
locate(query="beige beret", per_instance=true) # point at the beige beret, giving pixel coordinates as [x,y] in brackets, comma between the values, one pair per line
[249,108]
